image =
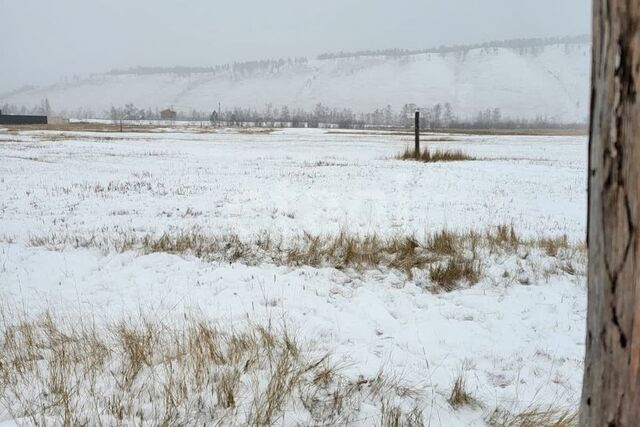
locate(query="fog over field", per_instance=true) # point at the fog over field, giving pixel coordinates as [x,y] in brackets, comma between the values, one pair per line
[49,41]
[525,79]
[86,66]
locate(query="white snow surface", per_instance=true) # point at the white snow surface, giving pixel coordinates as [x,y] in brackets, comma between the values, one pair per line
[553,83]
[521,344]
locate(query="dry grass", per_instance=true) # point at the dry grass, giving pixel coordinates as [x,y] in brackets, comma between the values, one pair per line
[110,131]
[444,243]
[449,263]
[86,127]
[456,270]
[504,237]
[455,131]
[255,131]
[393,416]
[326,163]
[460,396]
[533,417]
[144,372]
[459,253]
[449,259]
[523,132]
[431,156]
[553,246]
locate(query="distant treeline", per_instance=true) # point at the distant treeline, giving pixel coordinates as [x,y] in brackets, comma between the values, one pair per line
[437,116]
[247,67]
[43,109]
[522,45]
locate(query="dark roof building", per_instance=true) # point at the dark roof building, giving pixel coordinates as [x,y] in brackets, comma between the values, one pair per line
[168,114]
[16,119]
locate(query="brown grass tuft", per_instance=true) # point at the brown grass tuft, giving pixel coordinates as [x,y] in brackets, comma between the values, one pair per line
[393,416]
[447,276]
[444,243]
[552,246]
[460,396]
[439,155]
[504,237]
[533,417]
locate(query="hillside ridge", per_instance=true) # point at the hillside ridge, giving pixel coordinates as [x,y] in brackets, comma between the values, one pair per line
[522,77]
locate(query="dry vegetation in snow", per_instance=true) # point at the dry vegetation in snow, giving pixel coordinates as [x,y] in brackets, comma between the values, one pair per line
[534,416]
[449,259]
[432,156]
[392,305]
[144,372]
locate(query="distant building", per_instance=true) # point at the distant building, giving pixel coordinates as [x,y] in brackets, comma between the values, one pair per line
[15,119]
[168,114]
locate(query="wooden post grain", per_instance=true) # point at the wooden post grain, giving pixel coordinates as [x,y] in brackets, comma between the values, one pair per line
[611,387]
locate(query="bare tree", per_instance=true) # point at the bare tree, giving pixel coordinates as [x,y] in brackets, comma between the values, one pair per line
[611,390]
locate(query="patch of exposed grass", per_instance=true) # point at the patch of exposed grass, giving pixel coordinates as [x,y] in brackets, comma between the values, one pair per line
[444,243]
[394,416]
[533,417]
[552,246]
[504,236]
[527,132]
[448,276]
[139,372]
[255,131]
[449,259]
[460,396]
[326,163]
[458,131]
[431,156]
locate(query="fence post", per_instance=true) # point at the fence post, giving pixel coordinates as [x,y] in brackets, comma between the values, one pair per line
[417,129]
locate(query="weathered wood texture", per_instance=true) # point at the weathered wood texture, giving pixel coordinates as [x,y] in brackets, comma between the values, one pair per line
[611,390]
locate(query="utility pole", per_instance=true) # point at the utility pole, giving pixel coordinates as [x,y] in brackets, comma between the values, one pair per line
[417,131]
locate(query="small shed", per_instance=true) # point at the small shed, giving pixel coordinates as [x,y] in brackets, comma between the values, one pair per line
[16,119]
[168,114]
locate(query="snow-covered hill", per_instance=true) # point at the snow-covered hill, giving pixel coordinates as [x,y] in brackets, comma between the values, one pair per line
[550,81]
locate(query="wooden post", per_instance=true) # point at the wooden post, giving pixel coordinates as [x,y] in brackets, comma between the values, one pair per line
[417,130]
[611,386]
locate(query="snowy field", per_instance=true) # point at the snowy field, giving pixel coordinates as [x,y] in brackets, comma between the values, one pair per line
[516,336]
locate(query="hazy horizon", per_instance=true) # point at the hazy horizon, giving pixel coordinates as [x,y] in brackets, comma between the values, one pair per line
[51,40]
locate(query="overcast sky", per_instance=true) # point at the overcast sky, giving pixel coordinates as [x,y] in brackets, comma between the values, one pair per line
[44,40]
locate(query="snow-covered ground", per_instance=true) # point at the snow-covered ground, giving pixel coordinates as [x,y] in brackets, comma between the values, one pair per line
[519,342]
